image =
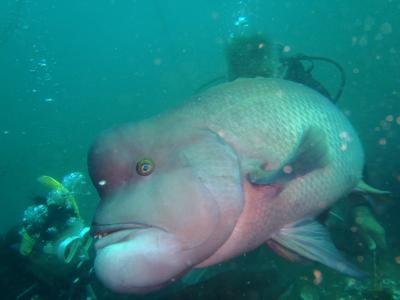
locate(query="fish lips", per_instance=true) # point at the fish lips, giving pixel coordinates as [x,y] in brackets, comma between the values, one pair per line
[136,258]
[109,234]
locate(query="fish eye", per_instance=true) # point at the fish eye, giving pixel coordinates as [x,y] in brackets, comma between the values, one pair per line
[145,166]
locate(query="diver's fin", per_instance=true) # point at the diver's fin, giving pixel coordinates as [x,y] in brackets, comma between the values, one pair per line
[50,182]
[310,154]
[311,240]
[363,187]
[54,185]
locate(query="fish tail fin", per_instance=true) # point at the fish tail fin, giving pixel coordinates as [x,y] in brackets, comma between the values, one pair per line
[363,187]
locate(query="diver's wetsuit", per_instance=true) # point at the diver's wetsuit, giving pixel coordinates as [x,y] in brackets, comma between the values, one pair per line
[20,278]
[15,276]
[17,280]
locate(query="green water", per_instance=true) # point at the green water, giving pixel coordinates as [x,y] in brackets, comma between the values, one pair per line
[69,69]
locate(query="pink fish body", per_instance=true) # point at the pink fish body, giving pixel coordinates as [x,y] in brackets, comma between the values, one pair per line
[243,164]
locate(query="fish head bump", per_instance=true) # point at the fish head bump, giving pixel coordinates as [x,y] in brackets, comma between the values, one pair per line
[169,199]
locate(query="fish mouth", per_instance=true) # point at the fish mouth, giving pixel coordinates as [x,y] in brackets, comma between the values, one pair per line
[110,234]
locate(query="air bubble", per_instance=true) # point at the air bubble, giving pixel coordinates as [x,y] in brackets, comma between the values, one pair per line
[386,28]
[344,135]
[288,169]
[157,61]
[389,118]
[221,133]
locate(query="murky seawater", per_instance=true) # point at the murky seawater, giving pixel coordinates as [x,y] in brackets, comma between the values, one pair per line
[70,69]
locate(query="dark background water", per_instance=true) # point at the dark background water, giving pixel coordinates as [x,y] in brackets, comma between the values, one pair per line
[69,69]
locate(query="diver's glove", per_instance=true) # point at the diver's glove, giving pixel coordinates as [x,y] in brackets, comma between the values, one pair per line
[369,228]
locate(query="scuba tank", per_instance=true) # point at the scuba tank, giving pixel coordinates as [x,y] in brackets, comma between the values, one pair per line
[296,71]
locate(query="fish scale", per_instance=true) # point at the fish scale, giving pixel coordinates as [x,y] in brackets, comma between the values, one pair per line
[263,120]
[245,163]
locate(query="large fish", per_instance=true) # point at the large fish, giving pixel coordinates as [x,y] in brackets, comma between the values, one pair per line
[245,163]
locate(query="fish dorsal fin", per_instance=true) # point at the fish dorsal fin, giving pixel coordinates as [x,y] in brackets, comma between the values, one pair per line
[310,154]
[311,240]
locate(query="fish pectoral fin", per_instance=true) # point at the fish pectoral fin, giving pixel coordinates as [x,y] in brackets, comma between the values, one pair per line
[309,239]
[310,154]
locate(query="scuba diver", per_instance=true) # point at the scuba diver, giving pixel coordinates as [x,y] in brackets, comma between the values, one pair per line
[254,55]
[50,253]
